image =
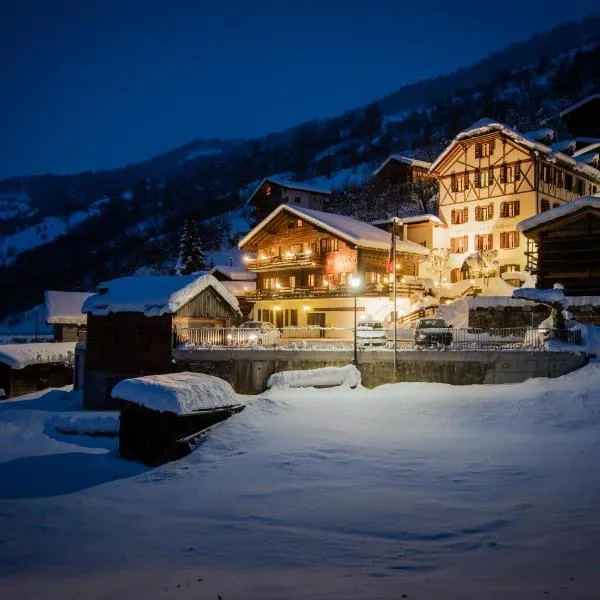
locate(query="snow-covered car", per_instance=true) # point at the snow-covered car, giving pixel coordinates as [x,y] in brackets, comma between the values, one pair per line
[432,332]
[370,333]
[258,333]
[405,332]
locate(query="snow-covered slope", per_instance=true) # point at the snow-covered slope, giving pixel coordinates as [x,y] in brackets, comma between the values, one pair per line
[15,205]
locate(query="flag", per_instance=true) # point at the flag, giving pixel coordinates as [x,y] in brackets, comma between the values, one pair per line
[391,256]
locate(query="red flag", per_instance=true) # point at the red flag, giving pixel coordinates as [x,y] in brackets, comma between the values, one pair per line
[391,257]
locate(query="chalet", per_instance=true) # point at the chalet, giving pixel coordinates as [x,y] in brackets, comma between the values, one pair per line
[237,281]
[564,246]
[583,117]
[134,323]
[28,368]
[63,313]
[402,170]
[491,177]
[273,191]
[427,230]
[305,260]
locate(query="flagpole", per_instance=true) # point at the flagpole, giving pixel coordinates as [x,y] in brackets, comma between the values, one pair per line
[394,288]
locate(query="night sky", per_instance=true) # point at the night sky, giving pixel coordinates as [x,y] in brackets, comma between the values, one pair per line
[94,84]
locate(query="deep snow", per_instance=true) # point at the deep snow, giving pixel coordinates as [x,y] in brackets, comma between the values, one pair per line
[428,490]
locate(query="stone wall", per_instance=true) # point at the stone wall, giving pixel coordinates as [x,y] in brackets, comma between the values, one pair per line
[248,371]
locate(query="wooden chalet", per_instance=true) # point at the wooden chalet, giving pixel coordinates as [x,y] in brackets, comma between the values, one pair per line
[564,247]
[402,170]
[491,178]
[583,117]
[134,323]
[273,191]
[63,313]
[28,368]
[305,260]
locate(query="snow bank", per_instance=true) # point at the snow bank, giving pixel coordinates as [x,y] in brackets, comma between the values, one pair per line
[178,393]
[543,296]
[348,376]
[87,423]
[153,295]
[65,307]
[19,356]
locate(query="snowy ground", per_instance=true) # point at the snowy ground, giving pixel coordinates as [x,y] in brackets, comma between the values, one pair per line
[427,490]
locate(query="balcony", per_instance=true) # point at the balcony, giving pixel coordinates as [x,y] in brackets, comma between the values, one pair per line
[285,261]
[403,290]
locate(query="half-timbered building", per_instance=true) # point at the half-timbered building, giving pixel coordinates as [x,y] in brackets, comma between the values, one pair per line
[134,323]
[564,246]
[491,177]
[305,261]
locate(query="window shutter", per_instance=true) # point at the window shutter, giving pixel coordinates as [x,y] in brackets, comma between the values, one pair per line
[478,150]
[477,213]
[466,243]
[517,240]
[491,176]
[466,214]
[490,241]
[492,142]
[503,209]
[453,216]
[517,171]
[466,181]
[517,207]
[477,179]
[453,183]
[491,211]
[502,173]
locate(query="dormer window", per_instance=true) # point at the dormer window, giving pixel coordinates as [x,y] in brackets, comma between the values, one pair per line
[268,190]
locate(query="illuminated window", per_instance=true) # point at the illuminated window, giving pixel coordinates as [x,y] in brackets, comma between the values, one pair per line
[484,242]
[509,239]
[507,173]
[483,149]
[268,191]
[460,216]
[509,269]
[484,213]
[510,209]
[459,245]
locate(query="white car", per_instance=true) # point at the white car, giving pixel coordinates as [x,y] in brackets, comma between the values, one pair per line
[370,333]
[256,333]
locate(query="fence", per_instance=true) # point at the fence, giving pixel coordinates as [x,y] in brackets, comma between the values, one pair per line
[407,337]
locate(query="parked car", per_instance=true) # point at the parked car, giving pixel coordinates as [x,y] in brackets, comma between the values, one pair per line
[405,332]
[258,333]
[370,333]
[432,332]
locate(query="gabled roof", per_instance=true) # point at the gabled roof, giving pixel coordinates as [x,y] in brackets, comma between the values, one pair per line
[153,295]
[408,220]
[486,126]
[356,232]
[289,185]
[580,104]
[411,162]
[64,308]
[234,273]
[559,212]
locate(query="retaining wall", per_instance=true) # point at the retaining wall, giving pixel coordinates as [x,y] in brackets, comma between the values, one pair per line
[248,370]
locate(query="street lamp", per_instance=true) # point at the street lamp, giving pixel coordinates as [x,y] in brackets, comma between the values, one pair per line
[355,285]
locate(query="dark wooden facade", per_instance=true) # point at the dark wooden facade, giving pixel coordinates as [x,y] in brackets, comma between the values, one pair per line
[69,332]
[16,382]
[566,250]
[130,344]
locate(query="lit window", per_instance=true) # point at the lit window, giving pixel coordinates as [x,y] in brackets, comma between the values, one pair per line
[509,239]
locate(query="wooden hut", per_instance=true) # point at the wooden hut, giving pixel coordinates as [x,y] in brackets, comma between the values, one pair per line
[134,322]
[63,312]
[27,368]
[564,246]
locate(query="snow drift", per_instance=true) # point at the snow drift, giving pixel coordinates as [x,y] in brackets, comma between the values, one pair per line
[348,376]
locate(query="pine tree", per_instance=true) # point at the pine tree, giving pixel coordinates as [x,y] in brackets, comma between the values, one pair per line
[191,256]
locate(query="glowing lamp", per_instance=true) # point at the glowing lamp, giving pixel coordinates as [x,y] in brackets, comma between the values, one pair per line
[355,282]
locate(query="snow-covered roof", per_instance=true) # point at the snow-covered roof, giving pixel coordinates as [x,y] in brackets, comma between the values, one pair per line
[564,146]
[234,273]
[356,232]
[178,393]
[588,147]
[486,126]
[19,356]
[579,104]
[555,296]
[587,158]
[408,220]
[559,211]
[289,185]
[153,295]
[411,162]
[64,308]
[543,135]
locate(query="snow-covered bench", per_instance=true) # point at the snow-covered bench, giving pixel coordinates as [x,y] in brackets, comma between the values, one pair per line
[163,416]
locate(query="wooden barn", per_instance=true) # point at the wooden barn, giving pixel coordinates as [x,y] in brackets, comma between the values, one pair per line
[134,323]
[63,312]
[239,282]
[564,246]
[27,368]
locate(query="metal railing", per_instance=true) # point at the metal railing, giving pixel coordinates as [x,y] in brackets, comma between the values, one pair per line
[525,338]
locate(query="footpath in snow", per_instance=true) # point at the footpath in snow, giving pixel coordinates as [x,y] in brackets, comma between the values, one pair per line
[428,490]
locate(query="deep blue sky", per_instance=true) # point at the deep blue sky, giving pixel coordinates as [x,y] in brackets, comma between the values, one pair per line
[98,83]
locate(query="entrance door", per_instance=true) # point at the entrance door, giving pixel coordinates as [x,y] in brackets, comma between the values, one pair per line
[279,318]
[317,319]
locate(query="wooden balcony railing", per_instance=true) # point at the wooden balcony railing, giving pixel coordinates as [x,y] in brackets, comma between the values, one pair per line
[285,261]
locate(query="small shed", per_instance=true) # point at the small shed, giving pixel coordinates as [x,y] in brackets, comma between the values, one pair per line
[27,368]
[239,282]
[564,246]
[63,312]
[134,323]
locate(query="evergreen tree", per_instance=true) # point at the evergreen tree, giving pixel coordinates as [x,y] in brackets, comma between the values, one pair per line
[191,256]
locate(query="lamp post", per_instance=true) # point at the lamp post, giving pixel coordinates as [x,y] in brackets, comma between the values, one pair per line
[355,285]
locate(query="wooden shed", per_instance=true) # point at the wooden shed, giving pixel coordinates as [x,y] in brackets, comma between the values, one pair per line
[27,368]
[134,323]
[63,312]
[564,246]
